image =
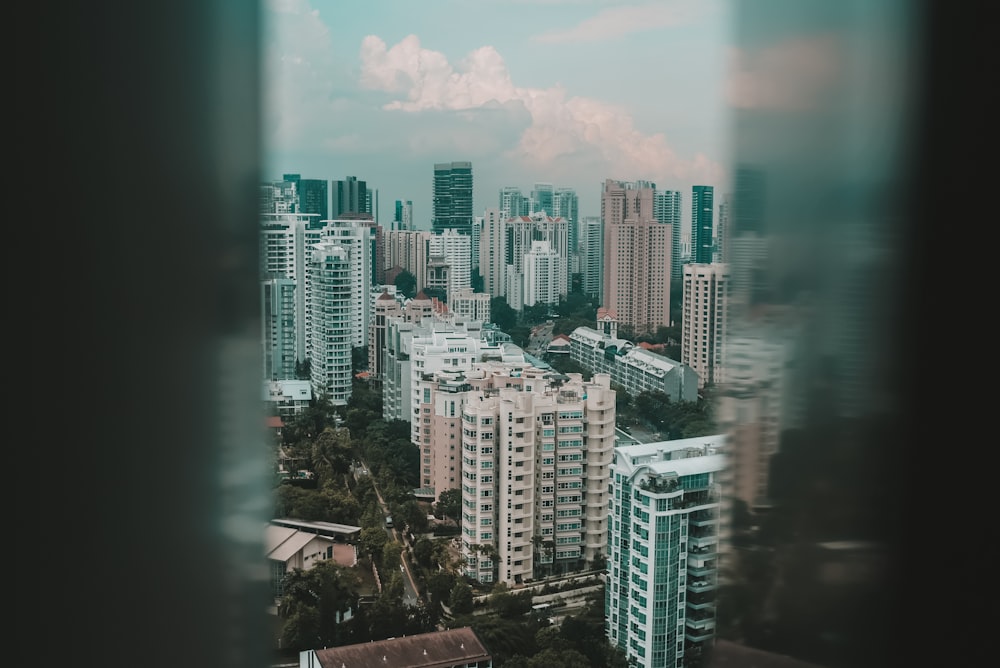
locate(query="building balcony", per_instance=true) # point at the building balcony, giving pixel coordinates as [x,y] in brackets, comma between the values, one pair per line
[699,635]
[702,541]
[699,585]
[701,572]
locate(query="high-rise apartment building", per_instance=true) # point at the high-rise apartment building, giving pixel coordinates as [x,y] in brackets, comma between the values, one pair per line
[520,232]
[620,200]
[667,211]
[592,257]
[491,252]
[721,250]
[284,239]
[452,197]
[535,455]
[512,202]
[456,251]
[408,249]
[566,205]
[349,196]
[637,281]
[663,542]
[704,324]
[702,230]
[403,218]
[332,308]
[541,199]
[358,239]
[541,274]
[386,306]
[278,331]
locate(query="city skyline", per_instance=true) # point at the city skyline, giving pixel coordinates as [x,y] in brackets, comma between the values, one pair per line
[385,95]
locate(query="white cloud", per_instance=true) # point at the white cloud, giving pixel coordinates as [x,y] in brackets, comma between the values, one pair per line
[562,129]
[616,22]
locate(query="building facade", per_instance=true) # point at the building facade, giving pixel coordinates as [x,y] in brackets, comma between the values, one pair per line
[663,540]
[632,367]
[667,211]
[455,249]
[637,285]
[592,257]
[332,314]
[469,305]
[452,197]
[704,323]
[702,229]
[535,455]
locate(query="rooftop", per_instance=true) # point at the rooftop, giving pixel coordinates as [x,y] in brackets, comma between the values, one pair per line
[438,649]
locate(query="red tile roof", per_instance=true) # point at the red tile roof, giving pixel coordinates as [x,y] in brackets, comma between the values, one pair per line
[274,421]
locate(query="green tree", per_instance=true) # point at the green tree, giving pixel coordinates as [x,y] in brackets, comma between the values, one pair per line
[407,284]
[460,600]
[449,503]
[373,540]
[314,603]
[502,315]
[423,552]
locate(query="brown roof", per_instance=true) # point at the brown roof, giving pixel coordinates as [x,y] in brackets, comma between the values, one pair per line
[726,654]
[421,295]
[425,650]
[274,421]
[385,295]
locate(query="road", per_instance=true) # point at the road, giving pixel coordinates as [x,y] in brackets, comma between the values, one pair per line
[410,592]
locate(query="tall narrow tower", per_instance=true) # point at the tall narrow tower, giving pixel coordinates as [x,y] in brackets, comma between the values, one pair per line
[452,197]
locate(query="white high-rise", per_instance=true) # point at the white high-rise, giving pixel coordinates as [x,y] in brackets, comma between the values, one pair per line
[663,542]
[535,456]
[704,320]
[333,311]
[283,254]
[456,250]
[542,267]
[491,252]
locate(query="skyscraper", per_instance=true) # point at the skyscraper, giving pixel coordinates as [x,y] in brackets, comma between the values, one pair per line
[592,256]
[636,257]
[349,196]
[541,199]
[704,325]
[663,539]
[512,202]
[333,308]
[667,210]
[403,220]
[566,204]
[702,211]
[491,252]
[314,195]
[452,197]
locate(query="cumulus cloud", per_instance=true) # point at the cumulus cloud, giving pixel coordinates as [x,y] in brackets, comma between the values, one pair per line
[561,127]
[616,22]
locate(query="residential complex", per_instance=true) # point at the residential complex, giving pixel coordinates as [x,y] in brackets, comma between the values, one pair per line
[535,451]
[663,541]
[632,367]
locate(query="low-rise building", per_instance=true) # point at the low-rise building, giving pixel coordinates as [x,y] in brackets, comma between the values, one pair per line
[632,367]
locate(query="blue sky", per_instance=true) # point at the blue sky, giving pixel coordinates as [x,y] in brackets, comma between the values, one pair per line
[568,92]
